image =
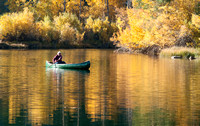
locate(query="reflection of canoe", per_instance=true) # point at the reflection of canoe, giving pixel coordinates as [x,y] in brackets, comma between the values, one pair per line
[84,65]
[57,70]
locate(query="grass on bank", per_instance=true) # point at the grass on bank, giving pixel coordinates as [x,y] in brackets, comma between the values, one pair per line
[183,52]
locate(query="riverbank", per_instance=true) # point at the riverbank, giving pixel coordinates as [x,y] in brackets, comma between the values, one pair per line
[180,52]
[155,50]
[170,52]
[47,45]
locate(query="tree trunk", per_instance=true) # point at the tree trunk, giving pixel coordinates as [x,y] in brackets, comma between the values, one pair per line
[64,5]
[108,9]
[80,11]
[129,3]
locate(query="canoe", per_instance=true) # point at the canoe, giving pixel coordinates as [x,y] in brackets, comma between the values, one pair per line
[85,65]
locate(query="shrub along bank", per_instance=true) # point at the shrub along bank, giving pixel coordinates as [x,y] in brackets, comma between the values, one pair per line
[180,52]
[63,31]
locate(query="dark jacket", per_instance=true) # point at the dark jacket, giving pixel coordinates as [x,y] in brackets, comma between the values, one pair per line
[57,58]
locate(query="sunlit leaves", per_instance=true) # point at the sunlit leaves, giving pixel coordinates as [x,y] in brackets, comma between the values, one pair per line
[101,27]
[46,31]
[21,26]
[70,28]
[17,25]
[132,35]
[163,25]
[69,18]
[195,26]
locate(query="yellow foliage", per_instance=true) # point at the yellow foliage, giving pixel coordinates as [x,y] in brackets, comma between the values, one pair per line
[96,10]
[16,25]
[65,28]
[133,35]
[143,3]
[69,18]
[67,33]
[115,3]
[69,27]
[101,27]
[167,26]
[186,5]
[195,26]
[43,8]
[46,31]
[196,20]
[148,23]
[21,26]
[146,28]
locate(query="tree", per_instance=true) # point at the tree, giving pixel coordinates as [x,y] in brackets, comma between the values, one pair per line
[80,10]
[64,4]
[108,10]
[129,3]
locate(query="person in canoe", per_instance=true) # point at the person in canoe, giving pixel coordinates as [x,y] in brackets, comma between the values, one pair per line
[58,59]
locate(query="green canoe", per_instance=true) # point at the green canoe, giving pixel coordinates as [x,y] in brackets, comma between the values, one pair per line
[84,65]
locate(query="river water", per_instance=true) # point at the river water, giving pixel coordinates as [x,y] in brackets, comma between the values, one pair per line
[118,90]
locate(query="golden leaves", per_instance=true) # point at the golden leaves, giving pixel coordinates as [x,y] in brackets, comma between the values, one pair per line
[16,24]
[101,27]
[150,26]
[196,20]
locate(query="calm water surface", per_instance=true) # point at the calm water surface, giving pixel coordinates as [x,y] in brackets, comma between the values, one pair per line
[119,90]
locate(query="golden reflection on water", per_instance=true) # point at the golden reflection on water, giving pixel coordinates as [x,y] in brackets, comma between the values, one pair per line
[119,89]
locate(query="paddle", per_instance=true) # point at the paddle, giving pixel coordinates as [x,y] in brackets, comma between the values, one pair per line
[51,65]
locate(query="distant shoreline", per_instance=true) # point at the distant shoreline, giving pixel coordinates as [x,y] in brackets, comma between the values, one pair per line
[39,45]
